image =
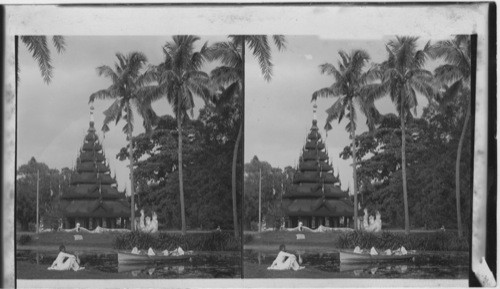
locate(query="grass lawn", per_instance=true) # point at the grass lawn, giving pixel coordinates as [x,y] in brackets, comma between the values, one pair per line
[52,240]
[270,241]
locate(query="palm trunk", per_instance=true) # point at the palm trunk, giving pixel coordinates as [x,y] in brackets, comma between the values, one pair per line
[179,151]
[233,181]
[130,155]
[457,169]
[403,164]
[354,174]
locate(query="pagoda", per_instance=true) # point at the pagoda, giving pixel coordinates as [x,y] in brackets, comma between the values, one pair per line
[316,197]
[93,198]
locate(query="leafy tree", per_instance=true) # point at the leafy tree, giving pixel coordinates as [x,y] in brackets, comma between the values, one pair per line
[230,81]
[180,79]
[40,51]
[402,76]
[349,82]
[127,89]
[455,75]
[274,184]
[207,143]
[431,142]
[26,186]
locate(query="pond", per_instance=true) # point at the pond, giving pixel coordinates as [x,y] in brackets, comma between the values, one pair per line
[427,265]
[105,265]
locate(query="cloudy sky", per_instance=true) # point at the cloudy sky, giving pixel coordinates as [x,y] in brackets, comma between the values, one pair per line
[53,119]
[278,114]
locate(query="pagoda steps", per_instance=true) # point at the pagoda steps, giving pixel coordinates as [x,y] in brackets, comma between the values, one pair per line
[314,135]
[96,209]
[92,146]
[91,178]
[91,137]
[320,207]
[315,166]
[313,145]
[92,167]
[87,191]
[314,155]
[91,157]
[314,177]
[312,188]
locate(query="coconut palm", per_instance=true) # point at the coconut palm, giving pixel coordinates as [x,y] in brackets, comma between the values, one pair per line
[229,77]
[180,79]
[349,81]
[402,76]
[40,51]
[456,75]
[127,91]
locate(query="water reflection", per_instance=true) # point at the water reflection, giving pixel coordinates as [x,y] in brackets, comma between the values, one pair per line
[202,265]
[426,265]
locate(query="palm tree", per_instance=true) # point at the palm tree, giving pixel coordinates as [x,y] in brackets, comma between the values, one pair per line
[127,89]
[456,74]
[39,49]
[350,79]
[402,76]
[230,76]
[179,79]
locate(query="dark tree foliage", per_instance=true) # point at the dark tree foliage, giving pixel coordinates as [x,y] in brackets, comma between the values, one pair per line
[208,143]
[275,184]
[431,150]
[52,183]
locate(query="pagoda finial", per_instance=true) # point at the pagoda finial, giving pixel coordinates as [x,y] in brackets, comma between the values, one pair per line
[315,106]
[91,122]
[92,112]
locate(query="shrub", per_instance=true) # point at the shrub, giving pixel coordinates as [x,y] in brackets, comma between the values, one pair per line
[24,239]
[438,241]
[247,238]
[216,241]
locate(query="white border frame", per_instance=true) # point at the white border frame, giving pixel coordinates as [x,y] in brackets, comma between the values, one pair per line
[327,20]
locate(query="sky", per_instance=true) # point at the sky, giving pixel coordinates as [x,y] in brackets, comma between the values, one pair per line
[279,113]
[53,119]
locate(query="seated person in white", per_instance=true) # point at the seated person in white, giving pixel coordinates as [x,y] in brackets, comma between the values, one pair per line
[60,264]
[285,261]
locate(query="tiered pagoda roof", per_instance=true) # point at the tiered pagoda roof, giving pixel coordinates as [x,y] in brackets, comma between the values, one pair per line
[316,190]
[93,192]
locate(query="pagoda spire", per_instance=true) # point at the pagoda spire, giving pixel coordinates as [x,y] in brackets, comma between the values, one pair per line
[91,120]
[315,107]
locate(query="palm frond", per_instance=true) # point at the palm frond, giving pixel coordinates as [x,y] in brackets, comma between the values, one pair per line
[448,73]
[228,94]
[37,45]
[280,42]
[324,92]
[330,69]
[59,43]
[336,111]
[451,93]
[108,72]
[224,75]
[102,94]
[111,114]
[262,51]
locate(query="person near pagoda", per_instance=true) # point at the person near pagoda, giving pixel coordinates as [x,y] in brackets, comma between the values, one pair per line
[285,261]
[65,261]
